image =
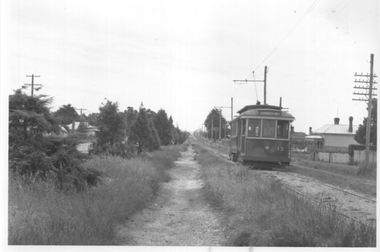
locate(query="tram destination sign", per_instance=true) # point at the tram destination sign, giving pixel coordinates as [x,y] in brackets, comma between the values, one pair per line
[270,113]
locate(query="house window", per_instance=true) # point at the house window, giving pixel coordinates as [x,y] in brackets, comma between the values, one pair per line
[254,126]
[269,128]
[283,129]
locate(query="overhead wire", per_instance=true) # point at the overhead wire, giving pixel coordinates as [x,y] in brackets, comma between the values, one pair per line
[291,30]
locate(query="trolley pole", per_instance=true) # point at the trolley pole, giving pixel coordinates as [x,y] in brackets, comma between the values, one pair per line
[265,83]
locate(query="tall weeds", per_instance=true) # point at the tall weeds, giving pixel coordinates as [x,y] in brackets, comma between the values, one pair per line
[259,212]
[39,214]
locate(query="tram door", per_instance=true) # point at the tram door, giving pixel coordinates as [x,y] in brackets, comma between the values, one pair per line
[242,136]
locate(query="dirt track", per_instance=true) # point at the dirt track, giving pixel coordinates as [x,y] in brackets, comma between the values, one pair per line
[179,215]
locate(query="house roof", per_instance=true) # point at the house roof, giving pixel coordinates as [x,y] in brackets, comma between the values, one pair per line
[298,135]
[336,129]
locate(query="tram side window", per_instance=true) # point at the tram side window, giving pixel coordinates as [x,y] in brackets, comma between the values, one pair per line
[283,129]
[254,127]
[269,128]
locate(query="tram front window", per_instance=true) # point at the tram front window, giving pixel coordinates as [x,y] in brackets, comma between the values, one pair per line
[254,127]
[269,128]
[283,129]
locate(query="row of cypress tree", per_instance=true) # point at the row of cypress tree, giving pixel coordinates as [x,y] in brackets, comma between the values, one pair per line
[129,132]
[35,153]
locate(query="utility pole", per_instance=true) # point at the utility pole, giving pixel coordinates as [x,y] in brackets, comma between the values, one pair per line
[212,128]
[368,98]
[33,76]
[232,107]
[220,124]
[220,118]
[81,109]
[265,83]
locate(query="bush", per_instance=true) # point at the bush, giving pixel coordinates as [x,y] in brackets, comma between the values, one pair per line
[39,214]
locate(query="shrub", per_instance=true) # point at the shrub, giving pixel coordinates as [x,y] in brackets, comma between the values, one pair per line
[39,214]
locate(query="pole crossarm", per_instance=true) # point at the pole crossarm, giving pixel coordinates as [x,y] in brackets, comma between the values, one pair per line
[365,75]
[248,81]
[33,84]
[368,95]
[264,81]
[362,87]
[362,81]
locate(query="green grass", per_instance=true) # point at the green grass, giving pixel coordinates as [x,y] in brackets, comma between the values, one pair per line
[346,176]
[259,212]
[41,215]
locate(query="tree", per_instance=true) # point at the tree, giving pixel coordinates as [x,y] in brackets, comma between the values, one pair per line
[163,127]
[156,142]
[29,116]
[213,119]
[34,154]
[179,136]
[130,116]
[67,114]
[93,119]
[111,127]
[360,135]
[141,132]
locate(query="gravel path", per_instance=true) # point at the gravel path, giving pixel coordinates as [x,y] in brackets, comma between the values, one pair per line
[179,215]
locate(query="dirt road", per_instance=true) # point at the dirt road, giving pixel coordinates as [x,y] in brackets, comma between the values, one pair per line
[179,215]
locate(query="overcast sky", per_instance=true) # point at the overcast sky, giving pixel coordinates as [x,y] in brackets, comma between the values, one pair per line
[182,56]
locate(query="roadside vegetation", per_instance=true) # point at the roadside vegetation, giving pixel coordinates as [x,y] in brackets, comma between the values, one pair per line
[60,196]
[354,177]
[259,212]
[40,214]
[357,178]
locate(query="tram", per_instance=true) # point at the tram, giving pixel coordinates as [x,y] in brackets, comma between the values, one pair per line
[260,136]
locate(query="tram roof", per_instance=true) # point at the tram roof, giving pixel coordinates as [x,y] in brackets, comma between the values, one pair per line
[264,106]
[257,110]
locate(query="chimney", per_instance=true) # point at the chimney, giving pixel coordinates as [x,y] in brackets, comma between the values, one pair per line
[310,131]
[350,126]
[336,120]
[292,129]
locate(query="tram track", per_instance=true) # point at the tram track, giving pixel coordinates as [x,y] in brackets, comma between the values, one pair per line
[331,207]
[346,203]
[353,206]
[340,189]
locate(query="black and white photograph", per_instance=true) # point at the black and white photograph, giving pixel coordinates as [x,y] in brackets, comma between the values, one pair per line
[210,125]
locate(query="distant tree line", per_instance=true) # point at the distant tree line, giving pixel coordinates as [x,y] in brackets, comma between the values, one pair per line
[38,151]
[212,120]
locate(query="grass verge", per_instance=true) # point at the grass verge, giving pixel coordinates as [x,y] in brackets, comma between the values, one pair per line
[41,215]
[346,176]
[259,212]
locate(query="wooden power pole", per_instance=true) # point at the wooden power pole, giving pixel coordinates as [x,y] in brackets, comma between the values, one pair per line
[32,84]
[368,98]
[265,83]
